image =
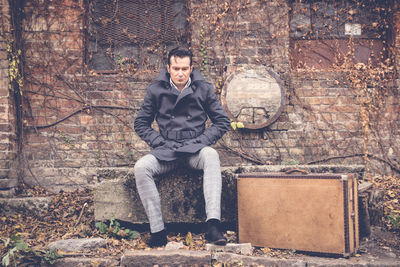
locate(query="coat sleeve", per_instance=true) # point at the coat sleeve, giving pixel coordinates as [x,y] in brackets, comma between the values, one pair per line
[144,119]
[218,116]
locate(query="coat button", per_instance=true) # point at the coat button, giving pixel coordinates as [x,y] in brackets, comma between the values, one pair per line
[189,117]
[172,117]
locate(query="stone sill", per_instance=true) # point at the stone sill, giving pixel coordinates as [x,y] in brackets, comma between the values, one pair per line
[182,194]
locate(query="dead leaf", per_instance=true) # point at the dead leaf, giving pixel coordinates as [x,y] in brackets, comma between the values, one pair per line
[189,240]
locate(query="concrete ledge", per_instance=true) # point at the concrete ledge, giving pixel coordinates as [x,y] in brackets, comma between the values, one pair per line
[241,260]
[85,261]
[206,258]
[78,244]
[161,257]
[166,258]
[181,198]
[241,248]
[7,183]
[29,205]
[7,193]
[182,194]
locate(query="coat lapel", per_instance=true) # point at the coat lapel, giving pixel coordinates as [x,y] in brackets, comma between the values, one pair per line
[183,94]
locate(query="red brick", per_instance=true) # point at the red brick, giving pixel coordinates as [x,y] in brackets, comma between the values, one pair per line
[346,108]
[87,120]
[4,147]
[5,127]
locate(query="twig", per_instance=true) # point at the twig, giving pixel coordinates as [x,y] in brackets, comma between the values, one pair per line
[391,165]
[80,215]
[243,155]
[77,112]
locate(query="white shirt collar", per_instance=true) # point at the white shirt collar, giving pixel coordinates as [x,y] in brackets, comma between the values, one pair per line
[186,85]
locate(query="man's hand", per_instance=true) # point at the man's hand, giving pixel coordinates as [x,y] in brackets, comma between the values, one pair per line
[173,144]
[193,145]
[159,141]
[202,139]
[191,142]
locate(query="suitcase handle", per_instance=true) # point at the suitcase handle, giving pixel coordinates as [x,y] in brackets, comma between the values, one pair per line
[292,171]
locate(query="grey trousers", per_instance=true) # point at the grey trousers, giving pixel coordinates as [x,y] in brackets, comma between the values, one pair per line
[207,159]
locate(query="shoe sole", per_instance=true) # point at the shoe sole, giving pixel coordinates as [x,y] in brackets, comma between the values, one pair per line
[219,242]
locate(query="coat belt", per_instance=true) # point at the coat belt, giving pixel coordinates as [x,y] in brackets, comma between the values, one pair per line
[181,135]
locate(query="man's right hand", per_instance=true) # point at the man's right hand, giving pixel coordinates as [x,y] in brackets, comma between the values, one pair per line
[159,141]
[171,144]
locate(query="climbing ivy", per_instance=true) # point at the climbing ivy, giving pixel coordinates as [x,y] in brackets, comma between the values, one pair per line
[14,68]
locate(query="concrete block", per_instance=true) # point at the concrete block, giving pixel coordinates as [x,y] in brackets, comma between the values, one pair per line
[8,183]
[86,261]
[243,248]
[6,194]
[32,206]
[182,194]
[4,173]
[117,198]
[241,260]
[76,245]
[166,258]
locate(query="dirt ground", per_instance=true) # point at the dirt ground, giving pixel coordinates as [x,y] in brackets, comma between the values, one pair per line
[71,215]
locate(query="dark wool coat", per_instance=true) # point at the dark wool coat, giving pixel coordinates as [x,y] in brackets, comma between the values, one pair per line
[181,117]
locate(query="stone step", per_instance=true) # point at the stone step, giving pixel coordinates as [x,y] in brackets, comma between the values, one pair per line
[241,248]
[182,194]
[29,205]
[141,258]
[4,172]
[7,193]
[7,183]
[78,245]
[84,261]
[204,258]
[207,258]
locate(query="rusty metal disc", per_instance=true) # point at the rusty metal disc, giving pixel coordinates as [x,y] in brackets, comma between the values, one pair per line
[254,96]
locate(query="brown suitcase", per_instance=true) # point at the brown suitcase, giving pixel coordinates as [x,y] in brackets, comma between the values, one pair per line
[305,212]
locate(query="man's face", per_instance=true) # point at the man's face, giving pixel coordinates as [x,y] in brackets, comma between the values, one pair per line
[180,70]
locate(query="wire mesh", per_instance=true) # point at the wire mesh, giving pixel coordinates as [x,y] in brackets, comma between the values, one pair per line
[138,21]
[132,34]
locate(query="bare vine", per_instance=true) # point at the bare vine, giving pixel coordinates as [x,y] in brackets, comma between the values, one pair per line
[93,106]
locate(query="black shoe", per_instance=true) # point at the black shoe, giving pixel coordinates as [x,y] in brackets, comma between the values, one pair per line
[214,234]
[157,239]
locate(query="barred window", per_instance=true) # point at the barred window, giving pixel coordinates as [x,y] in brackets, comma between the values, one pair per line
[320,30]
[134,33]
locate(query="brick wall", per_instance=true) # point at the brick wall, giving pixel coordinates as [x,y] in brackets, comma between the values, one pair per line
[396,34]
[79,123]
[8,179]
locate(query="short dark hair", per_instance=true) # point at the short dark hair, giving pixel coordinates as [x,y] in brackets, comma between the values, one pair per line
[181,52]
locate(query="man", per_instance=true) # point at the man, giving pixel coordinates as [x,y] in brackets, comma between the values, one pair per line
[181,101]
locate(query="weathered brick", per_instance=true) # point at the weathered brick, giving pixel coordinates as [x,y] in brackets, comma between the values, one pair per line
[4,146]
[3,73]
[3,55]
[5,127]
[4,92]
[87,120]
[346,108]
[248,52]
[320,105]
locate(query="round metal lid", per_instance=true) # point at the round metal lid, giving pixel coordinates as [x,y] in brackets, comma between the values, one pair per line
[254,96]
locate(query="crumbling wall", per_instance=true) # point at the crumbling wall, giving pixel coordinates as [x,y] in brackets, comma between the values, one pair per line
[78,120]
[9,79]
